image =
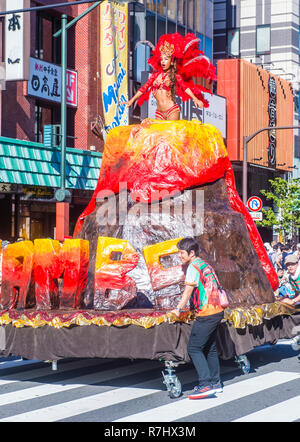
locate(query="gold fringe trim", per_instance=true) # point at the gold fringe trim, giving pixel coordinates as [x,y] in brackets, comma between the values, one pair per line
[82,320]
[241,317]
[238,317]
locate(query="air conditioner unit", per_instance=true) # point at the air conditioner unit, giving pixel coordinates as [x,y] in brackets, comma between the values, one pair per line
[52,135]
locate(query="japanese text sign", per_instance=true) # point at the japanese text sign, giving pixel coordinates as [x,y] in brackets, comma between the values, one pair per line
[45,82]
[17,41]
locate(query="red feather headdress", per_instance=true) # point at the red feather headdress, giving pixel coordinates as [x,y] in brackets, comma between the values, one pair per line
[190,61]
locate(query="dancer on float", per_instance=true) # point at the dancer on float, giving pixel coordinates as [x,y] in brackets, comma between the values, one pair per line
[175,61]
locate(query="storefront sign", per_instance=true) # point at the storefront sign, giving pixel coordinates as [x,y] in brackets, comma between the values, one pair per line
[17,41]
[215,114]
[38,193]
[272,122]
[114,63]
[9,188]
[256,216]
[45,82]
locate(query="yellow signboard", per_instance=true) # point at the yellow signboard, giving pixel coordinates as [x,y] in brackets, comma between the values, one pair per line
[114,62]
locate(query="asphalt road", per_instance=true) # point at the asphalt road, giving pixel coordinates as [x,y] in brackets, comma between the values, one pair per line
[118,390]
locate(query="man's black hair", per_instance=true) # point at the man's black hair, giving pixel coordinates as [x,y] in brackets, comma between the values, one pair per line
[188,244]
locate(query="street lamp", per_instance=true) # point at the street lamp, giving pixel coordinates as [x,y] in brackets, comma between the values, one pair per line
[246,140]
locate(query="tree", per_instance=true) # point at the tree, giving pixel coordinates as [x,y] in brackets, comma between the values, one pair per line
[286,198]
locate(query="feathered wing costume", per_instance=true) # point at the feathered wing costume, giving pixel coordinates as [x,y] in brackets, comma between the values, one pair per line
[191,63]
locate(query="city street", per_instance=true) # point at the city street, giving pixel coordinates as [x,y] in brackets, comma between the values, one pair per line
[150,212]
[119,390]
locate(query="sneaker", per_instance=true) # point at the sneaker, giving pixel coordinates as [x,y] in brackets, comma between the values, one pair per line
[218,387]
[202,392]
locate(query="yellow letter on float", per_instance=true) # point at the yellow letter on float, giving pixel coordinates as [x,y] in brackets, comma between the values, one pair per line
[162,277]
[110,274]
[47,268]
[17,264]
[74,256]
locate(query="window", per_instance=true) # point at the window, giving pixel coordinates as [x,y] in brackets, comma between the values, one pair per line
[46,46]
[2,41]
[233,42]
[42,116]
[263,34]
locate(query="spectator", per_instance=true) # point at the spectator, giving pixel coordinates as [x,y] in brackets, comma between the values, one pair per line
[284,288]
[269,249]
[274,256]
[287,250]
[297,252]
[293,269]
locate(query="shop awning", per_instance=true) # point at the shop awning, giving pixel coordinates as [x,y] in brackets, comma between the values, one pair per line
[24,162]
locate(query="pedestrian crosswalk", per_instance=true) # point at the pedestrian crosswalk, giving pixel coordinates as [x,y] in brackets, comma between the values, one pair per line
[119,391]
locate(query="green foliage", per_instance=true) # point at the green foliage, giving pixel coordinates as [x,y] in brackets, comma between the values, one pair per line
[285,196]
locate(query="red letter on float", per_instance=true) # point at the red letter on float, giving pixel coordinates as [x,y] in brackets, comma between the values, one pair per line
[47,268]
[113,288]
[74,256]
[17,264]
[162,277]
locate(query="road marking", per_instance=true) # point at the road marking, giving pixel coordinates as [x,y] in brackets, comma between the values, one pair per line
[38,391]
[92,403]
[287,411]
[84,405]
[186,407]
[47,371]
[16,363]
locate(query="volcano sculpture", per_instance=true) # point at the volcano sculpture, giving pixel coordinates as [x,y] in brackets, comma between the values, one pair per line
[159,182]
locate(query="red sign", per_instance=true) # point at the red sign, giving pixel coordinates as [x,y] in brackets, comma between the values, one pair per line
[254,204]
[72,88]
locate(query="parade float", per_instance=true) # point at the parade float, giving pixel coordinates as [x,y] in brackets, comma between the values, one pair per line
[108,292]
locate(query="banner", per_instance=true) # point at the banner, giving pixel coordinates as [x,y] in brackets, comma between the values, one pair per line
[17,41]
[114,63]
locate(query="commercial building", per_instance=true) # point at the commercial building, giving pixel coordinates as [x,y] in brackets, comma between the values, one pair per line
[30,117]
[265,33]
[30,90]
[256,48]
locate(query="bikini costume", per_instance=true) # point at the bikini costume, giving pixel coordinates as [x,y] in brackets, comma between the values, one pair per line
[159,81]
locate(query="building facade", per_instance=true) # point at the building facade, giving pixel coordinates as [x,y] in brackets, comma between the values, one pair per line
[30,171]
[265,33]
[30,111]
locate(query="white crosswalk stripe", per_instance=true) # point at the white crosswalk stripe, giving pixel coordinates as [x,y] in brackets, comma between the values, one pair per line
[186,407]
[80,381]
[43,371]
[43,395]
[286,411]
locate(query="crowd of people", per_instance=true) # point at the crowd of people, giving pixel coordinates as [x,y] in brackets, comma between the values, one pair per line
[285,259]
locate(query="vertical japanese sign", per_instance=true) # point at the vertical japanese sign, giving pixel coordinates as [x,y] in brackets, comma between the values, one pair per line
[17,41]
[272,111]
[114,63]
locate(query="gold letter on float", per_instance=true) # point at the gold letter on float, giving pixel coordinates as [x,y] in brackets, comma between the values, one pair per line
[74,256]
[162,277]
[113,288]
[17,264]
[47,268]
